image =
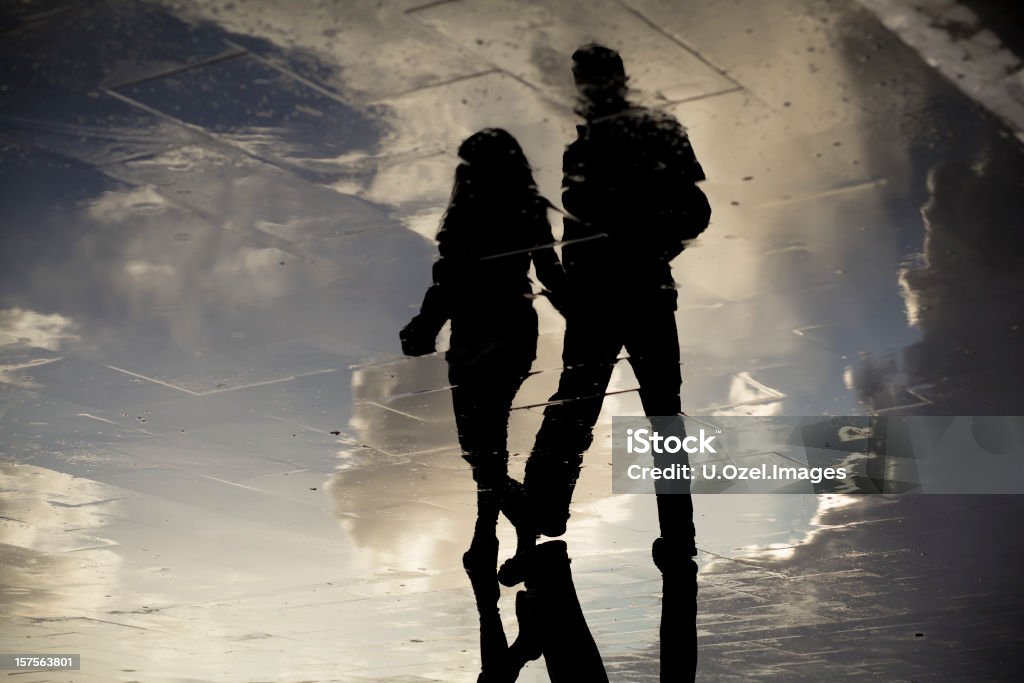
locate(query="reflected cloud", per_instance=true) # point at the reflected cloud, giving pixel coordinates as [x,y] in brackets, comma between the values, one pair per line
[117,207]
[54,560]
[401,491]
[48,331]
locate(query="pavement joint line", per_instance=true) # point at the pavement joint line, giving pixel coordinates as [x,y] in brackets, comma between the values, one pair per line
[293,423]
[216,59]
[388,160]
[568,400]
[923,402]
[550,100]
[111,422]
[106,167]
[70,129]
[273,64]
[236,484]
[407,454]
[556,243]
[136,157]
[101,621]
[227,389]
[24,145]
[199,130]
[831,192]
[705,96]
[153,380]
[429,5]
[657,28]
[439,84]
[422,392]
[393,410]
[43,16]
[746,563]
[383,363]
[107,546]
[90,503]
[744,404]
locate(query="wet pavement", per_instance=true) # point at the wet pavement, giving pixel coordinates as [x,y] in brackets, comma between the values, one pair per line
[217,465]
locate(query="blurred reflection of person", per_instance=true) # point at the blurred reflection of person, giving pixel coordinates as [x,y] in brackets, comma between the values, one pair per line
[964,294]
[496,224]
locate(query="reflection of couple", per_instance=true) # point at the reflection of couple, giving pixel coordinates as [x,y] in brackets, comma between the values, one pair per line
[629,187]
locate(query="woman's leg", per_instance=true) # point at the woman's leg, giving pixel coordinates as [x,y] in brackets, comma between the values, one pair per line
[482,398]
[482,439]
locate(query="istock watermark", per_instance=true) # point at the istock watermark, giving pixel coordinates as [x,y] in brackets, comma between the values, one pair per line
[647,441]
[816,454]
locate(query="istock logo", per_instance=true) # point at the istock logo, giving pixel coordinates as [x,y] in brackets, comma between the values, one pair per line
[647,441]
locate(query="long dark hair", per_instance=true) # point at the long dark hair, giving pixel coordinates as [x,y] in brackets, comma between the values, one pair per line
[494,188]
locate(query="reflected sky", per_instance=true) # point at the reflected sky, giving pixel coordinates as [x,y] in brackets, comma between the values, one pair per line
[216,217]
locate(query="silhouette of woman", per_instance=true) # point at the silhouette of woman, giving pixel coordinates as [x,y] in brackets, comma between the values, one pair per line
[495,225]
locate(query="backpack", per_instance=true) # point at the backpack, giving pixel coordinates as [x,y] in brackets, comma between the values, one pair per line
[635,174]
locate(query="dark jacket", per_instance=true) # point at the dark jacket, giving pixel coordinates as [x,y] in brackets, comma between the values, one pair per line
[630,185]
[481,282]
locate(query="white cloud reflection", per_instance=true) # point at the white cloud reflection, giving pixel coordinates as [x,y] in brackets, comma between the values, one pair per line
[48,331]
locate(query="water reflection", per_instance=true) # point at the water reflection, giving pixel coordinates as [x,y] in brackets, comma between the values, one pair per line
[496,225]
[964,291]
[550,620]
[55,559]
[188,247]
[626,168]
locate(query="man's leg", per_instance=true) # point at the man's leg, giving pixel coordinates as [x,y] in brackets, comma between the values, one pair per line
[560,629]
[590,349]
[654,355]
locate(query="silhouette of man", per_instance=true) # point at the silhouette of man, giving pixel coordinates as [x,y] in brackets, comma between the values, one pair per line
[629,185]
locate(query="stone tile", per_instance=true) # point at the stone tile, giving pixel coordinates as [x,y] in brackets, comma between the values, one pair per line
[534,42]
[258,108]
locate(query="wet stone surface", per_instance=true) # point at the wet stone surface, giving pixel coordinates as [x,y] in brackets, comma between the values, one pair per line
[217,465]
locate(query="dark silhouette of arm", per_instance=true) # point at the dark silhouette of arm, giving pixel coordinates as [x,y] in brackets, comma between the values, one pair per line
[549,269]
[420,335]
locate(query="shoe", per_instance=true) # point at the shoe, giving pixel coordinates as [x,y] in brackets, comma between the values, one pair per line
[549,494]
[673,556]
[526,647]
[512,571]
